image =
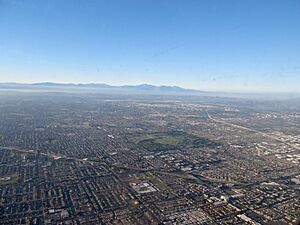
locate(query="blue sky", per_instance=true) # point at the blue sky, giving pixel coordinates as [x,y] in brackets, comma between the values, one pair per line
[249,45]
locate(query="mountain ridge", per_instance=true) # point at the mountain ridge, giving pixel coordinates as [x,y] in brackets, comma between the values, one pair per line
[140,87]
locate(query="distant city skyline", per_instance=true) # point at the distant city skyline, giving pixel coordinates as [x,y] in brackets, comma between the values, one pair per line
[204,45]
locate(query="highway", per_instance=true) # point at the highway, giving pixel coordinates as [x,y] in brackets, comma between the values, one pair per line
[253,130]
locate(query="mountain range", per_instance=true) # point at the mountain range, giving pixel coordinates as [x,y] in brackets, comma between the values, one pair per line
[139,89]
[96,86]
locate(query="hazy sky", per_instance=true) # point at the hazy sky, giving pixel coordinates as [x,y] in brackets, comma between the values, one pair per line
[210,45]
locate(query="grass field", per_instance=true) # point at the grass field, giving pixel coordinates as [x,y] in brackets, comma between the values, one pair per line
[154,180]
[174,140]
[9,179]
[169,140]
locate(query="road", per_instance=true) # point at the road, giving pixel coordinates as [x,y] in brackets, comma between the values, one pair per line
[253,130]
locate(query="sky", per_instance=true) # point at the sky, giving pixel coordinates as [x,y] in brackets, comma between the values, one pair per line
[225,45]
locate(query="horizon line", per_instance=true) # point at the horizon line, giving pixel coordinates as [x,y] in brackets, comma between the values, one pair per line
[233,91]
